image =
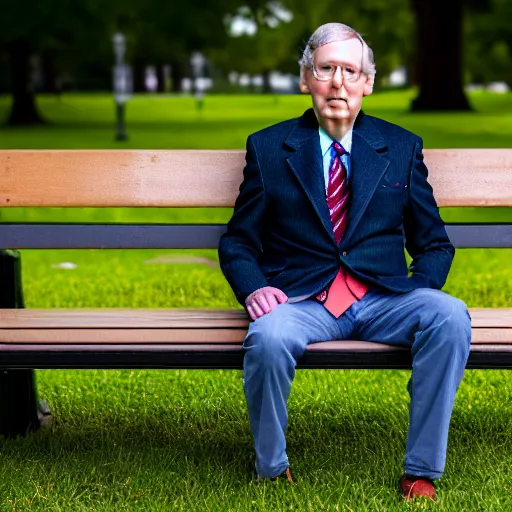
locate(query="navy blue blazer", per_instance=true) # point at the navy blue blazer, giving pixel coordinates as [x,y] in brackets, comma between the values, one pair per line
[281,234]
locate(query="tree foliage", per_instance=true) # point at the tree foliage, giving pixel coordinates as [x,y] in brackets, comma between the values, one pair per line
[385,24]
[64,33]
[73,38]
[488,35]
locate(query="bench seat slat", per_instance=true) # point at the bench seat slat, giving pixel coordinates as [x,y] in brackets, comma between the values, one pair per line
[176,336]
[483,336]
[141,318]
[120,336]
[491,317]
[346,346]
[324,346]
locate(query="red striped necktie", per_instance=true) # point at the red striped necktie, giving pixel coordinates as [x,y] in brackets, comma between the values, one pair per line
[345,289]
[337,192]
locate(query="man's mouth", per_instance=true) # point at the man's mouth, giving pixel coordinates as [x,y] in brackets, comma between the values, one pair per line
[337,99]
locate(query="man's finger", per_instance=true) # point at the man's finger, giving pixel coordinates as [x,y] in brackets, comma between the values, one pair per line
[262,301]
[257,310]
[250,310]
[281,297]
[272,301]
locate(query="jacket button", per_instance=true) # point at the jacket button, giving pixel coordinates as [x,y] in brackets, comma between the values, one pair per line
[344,254]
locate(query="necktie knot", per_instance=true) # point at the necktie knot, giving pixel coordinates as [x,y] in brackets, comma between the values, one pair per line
[340,150]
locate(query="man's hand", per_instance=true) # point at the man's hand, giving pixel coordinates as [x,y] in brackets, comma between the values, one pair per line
[264,300]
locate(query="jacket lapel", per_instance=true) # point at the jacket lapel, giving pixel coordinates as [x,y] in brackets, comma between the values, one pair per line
[307,165]
[368,163]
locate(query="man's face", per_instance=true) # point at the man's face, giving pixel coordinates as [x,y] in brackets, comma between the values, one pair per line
[337,99]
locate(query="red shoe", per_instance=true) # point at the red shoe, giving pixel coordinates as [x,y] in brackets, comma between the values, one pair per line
[416,487]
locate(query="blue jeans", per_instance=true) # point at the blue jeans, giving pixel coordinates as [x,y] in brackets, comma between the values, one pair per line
[436,327]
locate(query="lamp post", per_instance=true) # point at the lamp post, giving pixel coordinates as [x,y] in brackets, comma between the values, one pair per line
[197,61]
[123,84]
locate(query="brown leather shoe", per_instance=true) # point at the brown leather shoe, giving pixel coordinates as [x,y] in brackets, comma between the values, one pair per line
[416,487]
[284,474]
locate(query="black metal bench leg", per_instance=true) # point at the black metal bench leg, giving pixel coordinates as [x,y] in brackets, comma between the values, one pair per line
[18,402]
[18,398]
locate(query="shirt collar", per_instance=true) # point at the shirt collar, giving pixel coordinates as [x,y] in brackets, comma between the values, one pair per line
[326,141]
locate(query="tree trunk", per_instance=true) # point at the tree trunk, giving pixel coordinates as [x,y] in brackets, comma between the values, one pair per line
[23,109]
[161,77]
[139,76]
[50,78]
[438,67]
[177,74]
[267,89]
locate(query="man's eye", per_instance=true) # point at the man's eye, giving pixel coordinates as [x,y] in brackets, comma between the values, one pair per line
[326,67]
[350,71]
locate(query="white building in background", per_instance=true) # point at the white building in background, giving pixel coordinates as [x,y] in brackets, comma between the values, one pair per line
[499,87]
[151,79]
[257,81]
[398,77]
[280,82]
[244,80]
[202,84]
[186,84]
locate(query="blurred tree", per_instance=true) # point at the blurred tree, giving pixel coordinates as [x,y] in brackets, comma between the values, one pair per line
[76,37]
[51,29]
[23,110]
[278,43]
[423,35]
[386,25]
[438,69]
[164,32]
[266,43]
[488,35]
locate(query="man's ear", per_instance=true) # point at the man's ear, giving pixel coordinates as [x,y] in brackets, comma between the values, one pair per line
[368,86]
[303,86]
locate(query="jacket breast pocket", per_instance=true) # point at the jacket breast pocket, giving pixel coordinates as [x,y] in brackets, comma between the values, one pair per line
[392,192]
[388,203]
[394,186]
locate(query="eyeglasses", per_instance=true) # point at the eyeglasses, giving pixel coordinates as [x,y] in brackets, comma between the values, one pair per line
[326,71]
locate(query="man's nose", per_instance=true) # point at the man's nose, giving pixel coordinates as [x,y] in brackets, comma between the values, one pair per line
[337,78]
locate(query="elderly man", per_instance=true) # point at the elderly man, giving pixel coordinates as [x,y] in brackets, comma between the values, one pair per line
[315,252]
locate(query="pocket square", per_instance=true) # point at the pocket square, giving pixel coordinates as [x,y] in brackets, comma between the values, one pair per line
[392,182]
[394,186]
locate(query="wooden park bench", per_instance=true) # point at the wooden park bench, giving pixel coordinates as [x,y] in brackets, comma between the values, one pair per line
[201,338]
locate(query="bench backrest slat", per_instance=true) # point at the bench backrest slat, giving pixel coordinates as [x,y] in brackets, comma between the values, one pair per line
[186,178]
[185,236]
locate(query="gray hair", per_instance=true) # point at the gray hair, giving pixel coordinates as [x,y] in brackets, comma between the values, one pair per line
[329,33]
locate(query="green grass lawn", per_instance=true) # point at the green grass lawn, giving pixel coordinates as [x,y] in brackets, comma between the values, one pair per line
[165,440]
[164,122]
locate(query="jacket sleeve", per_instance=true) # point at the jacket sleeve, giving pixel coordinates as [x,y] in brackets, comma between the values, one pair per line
[240,247]
[426,240]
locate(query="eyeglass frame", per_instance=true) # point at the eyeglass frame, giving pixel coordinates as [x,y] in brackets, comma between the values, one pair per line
[336,66]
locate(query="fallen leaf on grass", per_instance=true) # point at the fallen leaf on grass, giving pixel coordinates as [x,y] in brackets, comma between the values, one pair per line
[170,260]
[66,264]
